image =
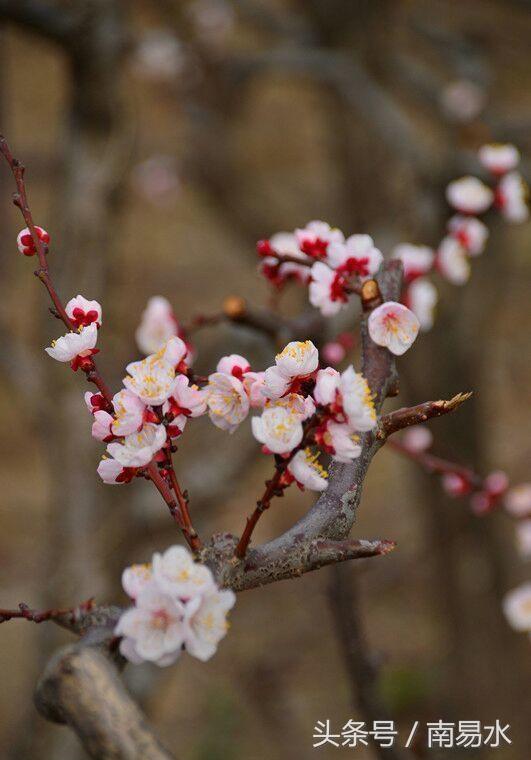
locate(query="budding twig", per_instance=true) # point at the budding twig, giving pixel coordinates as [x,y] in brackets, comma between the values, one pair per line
[39,616]
[415,415]
[91,370]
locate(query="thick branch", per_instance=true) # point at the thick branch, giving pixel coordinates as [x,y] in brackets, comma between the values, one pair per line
[81,688]
[415,415]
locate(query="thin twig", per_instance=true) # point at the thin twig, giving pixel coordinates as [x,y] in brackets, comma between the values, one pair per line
[415,415]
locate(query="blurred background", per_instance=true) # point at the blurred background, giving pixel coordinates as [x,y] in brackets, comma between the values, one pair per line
[162,139]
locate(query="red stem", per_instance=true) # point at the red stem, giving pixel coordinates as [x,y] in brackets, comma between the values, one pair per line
[433,464]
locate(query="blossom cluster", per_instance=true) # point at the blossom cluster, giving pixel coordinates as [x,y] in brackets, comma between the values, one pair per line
[333,267]
[485,495]
[177,605]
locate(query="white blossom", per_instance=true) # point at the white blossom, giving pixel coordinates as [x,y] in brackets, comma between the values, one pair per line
[153,629]
[73,344]
[297,360]
[153,379]
[138,449]
[176,574]
[129,413]
[279,427]
[135,578]
[157,325]
[499,158]
[416,259]
[517,500]
[343,443]
[326,386]
[422,298]
[227,401]
[452,261]
[470,232]
[357,256]
[469,195]
[357,400]
[315,238]
[512,197]
[517,607]
[327,289]
[206,622]
[307,471]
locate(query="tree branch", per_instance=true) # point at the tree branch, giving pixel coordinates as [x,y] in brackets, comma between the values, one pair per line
[415,415]
[80,687]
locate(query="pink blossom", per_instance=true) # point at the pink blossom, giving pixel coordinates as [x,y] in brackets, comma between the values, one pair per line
[470,232]
[416,259]
[469,195]
[333,352]
[393,326]
[233,365]
[83,313]
[496,483]
[254,384]
[452,261]
[101,427]
[327,289]
[185,399]
[25,242]
[499,158]
[356,256]
[315,238]
[417,438]
[454,484]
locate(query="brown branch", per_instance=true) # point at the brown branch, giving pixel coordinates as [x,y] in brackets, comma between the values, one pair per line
[80,687]
[415,415]
[68,618]
[333,514]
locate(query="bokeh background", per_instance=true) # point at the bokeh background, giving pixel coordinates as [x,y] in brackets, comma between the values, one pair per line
[162,139]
